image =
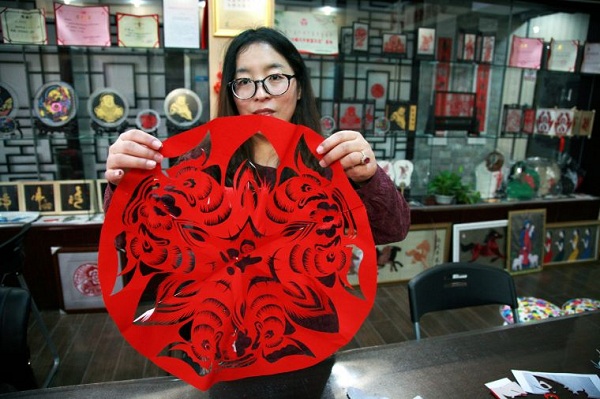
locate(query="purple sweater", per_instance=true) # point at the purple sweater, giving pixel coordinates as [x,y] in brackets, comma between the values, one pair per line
[387,210]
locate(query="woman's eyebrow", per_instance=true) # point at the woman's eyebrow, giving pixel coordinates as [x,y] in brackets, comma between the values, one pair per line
[267,67]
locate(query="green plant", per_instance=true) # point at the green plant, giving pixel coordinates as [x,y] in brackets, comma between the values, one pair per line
[450,183]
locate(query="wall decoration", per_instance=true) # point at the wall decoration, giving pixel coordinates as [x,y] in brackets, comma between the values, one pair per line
[10,197]
[55,104]
[24,26]
[513,117]
[444,49]
[360,37]
[108,108]
[465,49]
[571,242]
[377,87]
[311,33]
[528,120]
[454,111]
[82,25]
[402,115]
[79,285]
[425,42]
[327,124]
[394,44]
[486,48]
[230,17]
[181,30]
[481,242]
[40,197]
[346,40]
[425,246]
[526,52]
[591,58]
[138,30]
[544,121]
[148,120]
[563,55]
[183,107]
[100,189]
[351,115]
[9,105]
[381,126]
[564,120]
[525,240]
[584,122]
[76,196]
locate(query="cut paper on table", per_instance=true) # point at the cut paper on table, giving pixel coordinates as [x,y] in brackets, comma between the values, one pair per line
[562,385]
[505,388]
[248,277]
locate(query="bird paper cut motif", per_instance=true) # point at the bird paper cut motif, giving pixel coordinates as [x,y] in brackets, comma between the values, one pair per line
[246,276]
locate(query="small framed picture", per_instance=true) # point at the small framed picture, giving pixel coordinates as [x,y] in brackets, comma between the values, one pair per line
[40,197]
[571,242]
[513,117]
[351,114]
[394,44]
[584,122]
[402,115]
[467,42]
[10,197]
[481,242]
[360,37]
[525,240]
[563,55]
[425,42]
[346,41]
[377,87]
[528,126]
[76,196]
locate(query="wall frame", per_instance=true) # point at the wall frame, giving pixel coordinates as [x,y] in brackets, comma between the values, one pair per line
[76,196]
[571,242]
[346,41]
[360,37]
[425,43]
[40,197]
[425,246]
[229,18]
[77,274]
[394,45]
[481,242]
[351,115]
[377,87]
[525,240]
[10,197]
[101,185]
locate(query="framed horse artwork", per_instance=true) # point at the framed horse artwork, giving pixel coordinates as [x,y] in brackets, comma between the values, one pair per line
[481,242]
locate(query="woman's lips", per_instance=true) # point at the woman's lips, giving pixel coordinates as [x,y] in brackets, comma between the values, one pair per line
[264,111]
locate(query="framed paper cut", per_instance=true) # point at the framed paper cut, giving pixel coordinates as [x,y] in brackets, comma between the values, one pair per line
[513,116]
[79,285]
[425,42]
[584,122]
[346,42]
[360,37]
[528,120]
[108,108]
[402,115]
[481,242]
[351,115]
[394,44]
[76,196]
[564,121]
[40,197]
[10,197]
[526,52]
[369,118]
[544,121]
[466,47]
[591,58]
[487,48]
[571,242]
[377,87]
[455,111]
[525,240]
[425,246]
[563,55]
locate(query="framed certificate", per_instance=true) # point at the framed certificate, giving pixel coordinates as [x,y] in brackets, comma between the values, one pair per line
[23,26]
[230,17]
[563,55]
[137,30]
[591,58]
[526,52]
[82,26]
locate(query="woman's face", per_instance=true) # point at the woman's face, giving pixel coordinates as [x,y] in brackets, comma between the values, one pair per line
[258,61]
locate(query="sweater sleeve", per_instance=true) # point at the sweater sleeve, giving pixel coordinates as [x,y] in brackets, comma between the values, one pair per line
[387,210]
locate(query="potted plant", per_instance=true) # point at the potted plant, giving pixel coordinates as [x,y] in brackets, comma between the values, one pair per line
[447,187]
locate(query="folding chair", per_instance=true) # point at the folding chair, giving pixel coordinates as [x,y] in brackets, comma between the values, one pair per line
[12,255]
[458,285]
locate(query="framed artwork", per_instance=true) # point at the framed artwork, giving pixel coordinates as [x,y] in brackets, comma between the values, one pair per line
[563,55]
[526,52]
[10,197]
[377,87]
[402,115]
[425,42]
[183,108]
[369,118]
[55,104]
[466,48]
[40,197]
[138,30]
[232,17]
[528,120]
[584,122]
[564,121]
[394,44]
[79,286]
[455,111]
[591,58]
[525,240]
[513,117]
[425,246]
[351,115]
[544,121]
[481,242]
[360,37]
[486,48]
[346,42]
[24,26]
[571,242]
[76,196]
[101,185]
[108,108]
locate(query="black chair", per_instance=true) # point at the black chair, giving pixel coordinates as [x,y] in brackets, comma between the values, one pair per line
[458,285]
[12,255]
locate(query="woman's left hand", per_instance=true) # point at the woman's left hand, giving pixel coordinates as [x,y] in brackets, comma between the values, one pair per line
[353,152]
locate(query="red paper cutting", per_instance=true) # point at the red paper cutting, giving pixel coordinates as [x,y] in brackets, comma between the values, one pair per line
[248,278]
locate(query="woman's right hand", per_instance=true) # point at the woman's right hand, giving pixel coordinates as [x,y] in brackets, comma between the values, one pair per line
[134,149]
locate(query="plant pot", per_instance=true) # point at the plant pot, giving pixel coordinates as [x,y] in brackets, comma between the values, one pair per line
[444,199]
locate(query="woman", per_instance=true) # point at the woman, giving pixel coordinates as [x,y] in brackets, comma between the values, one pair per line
[266,75]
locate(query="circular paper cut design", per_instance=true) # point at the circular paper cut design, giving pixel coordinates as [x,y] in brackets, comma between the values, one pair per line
[85,279]
[250,273]
[9,102]
[531,309]
[147,120]
[327,124]
[580,305]
[55,104]
[183,107]
[108,108]
[7,125]
[381,125]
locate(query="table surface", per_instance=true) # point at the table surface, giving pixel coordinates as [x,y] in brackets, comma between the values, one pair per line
[451,366]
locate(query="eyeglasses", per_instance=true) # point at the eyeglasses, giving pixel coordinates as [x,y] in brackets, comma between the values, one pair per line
[276,84]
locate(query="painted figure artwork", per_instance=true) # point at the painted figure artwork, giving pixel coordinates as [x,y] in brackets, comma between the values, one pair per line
[527,240]
[252,277]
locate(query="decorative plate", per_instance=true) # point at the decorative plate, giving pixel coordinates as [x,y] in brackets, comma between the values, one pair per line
[55,104]
[9,102]
[147,120]
[108,108]
[183,107]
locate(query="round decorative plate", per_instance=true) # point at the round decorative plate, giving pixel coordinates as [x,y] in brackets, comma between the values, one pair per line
[147,120]
[7,125]
[108,108]
[327,124]
[55,104]
[9,102]
[183,107]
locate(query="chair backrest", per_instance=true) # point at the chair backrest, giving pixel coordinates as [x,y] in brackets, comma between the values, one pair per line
[459,285]
[12,252]
[15,305]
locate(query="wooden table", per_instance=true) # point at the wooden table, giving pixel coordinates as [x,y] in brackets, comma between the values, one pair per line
[452,366]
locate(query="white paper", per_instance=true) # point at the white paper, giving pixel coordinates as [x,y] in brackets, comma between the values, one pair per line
[576,383]
[181,23]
